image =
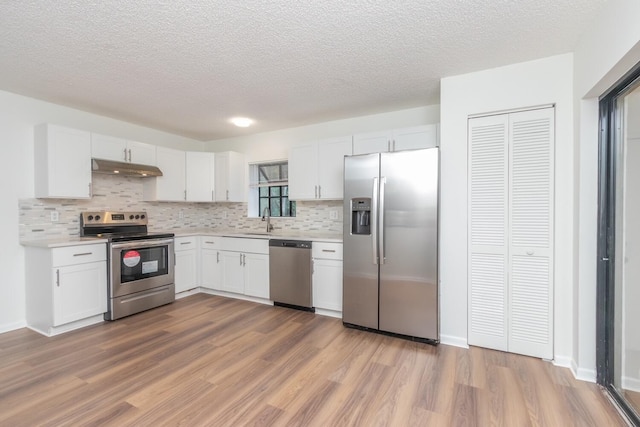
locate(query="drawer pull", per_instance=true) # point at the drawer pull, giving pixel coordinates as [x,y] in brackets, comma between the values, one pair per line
[83,254]
[329,250]
[185,243]
[210,243]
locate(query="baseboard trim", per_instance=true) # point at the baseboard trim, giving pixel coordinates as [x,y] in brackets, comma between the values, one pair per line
[8,327]
[632,384]
[454,341]
[582,374]
[236,296]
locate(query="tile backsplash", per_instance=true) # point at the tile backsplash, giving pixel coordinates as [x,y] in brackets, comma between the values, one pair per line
[118,193]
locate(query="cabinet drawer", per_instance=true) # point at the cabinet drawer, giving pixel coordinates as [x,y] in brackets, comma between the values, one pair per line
[82,254]
[186,243]
[323,250]
[211,242]
[240,244]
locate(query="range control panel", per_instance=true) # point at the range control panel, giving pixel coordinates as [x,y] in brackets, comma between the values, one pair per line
[113,218]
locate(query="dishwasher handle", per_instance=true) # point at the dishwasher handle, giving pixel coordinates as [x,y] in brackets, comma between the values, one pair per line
[295,244]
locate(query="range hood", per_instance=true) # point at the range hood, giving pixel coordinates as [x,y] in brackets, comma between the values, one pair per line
[125,169]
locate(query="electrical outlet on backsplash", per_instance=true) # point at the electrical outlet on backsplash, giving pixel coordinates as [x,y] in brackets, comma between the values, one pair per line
[120,193]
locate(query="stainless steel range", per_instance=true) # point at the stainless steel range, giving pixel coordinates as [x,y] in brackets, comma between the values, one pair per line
[140,264]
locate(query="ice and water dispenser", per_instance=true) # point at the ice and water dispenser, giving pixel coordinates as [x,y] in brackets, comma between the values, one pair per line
[361,215]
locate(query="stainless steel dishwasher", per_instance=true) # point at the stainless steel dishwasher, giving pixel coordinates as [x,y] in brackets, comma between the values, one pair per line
[290,274]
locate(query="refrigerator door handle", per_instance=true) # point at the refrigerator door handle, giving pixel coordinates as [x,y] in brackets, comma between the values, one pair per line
[374,220]
[383,181]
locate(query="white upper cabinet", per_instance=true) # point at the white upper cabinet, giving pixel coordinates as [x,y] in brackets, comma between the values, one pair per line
[415,137]
[108,147]
[200,177]
[170,187]
[316,169]
[229,177]
[62,162]
[303,172]
[141,153]
[372,142]
[122,150]
[396,140]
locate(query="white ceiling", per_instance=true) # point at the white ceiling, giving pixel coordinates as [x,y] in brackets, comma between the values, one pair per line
[187,66]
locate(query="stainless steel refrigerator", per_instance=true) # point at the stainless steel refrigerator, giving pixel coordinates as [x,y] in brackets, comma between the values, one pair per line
[391,242]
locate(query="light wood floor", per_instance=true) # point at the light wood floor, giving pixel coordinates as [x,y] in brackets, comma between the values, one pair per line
[212,361]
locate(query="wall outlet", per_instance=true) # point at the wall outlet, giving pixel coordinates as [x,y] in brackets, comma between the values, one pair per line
[224,215]
[333,214]
[55,216]
[181,214]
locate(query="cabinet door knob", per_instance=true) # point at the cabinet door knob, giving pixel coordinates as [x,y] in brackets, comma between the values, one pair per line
[217,257]
[125,154]
[58,277]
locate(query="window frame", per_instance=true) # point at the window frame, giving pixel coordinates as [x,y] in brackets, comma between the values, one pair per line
[260,180]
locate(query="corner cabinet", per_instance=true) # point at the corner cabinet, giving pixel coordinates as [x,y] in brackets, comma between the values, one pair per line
[316,169]
[327,278]
[229,177]
[410,138]
[66,287]
[62,162]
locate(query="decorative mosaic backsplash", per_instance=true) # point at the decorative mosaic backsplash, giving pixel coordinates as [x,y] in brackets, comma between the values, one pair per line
[118,193]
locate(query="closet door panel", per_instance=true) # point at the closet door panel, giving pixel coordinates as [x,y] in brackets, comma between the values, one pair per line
[531,137]
[487,230]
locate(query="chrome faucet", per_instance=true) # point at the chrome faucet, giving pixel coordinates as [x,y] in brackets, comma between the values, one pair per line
[266,213]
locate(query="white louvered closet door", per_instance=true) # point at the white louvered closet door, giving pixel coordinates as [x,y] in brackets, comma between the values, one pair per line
[487,232]
[531,160]
[511,232]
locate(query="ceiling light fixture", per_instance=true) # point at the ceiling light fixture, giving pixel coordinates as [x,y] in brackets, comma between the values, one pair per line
[241,122]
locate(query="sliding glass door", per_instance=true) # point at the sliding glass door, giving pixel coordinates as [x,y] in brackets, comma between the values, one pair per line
[619,245]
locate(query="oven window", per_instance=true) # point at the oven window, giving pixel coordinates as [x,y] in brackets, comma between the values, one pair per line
[141,263]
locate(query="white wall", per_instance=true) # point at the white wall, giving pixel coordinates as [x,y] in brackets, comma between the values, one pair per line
[604,54]
[18,115]
[275,145]
[545,81]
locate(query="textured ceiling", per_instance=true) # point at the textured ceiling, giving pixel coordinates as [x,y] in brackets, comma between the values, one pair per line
[187,66]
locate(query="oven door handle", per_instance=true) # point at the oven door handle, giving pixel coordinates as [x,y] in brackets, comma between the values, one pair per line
[141,243]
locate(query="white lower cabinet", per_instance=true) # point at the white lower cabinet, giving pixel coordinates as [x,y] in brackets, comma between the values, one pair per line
[256,275]
[327,276]
[245,267]
[232,272]
[210,262]
[80,292]
[66,287]
[186,269]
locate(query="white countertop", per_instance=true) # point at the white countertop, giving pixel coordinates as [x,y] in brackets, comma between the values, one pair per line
[245,234]
[252,234]
[63,242]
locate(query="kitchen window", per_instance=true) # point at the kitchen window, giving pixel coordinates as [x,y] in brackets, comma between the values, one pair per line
[269,188]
